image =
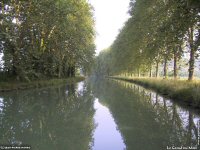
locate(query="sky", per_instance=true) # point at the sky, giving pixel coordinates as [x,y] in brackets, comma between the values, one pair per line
[110,16]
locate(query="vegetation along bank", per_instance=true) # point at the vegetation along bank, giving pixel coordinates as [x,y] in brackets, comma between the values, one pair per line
[184,92]
[16,85]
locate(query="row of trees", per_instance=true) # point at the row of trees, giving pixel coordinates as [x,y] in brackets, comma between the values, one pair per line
[46,38]
[157,32]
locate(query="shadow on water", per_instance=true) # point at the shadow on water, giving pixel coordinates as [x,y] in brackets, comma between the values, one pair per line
[56,118]
[146,120]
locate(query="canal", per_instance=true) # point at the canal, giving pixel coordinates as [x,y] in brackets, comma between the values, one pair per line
[97,115]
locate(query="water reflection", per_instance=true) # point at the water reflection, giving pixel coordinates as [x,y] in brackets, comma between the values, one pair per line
[127,116]
[146,120]
[106,135]
[56,118]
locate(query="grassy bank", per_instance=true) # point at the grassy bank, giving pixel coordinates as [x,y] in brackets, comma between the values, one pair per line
[14,85]
[182,91]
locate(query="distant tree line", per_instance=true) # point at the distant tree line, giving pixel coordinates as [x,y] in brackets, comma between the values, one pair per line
[158,31]
[46,38]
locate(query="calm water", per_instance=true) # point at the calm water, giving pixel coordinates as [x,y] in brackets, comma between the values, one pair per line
[96,115]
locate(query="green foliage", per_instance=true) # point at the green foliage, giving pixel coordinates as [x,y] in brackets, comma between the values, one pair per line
[183,91]
[156,32]
[46,38]
[18,85]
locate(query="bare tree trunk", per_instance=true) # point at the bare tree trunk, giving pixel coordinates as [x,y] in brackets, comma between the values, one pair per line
[60,69]
[150,71]
[165,68]
[139,72]
[192,55]
[175,64]
[15,62]
[191,65]
[69,72]
[157,68]
[60,65]
[73,71]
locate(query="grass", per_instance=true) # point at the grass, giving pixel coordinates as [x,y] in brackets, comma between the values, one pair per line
[182,91]
[16,85]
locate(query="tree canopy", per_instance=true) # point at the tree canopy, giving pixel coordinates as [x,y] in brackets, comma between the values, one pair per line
[46,38]
[158,31]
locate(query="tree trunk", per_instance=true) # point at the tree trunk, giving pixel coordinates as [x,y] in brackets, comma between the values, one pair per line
[191,65]
[165,68]
[59,70]
[15,62]
[157,68]
[73,71]
[150,71]
[69,72]
[175,64]
[192,56]
[139,72]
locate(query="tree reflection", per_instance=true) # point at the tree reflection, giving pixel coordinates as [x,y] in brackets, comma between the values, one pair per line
[50,118]
[146,120]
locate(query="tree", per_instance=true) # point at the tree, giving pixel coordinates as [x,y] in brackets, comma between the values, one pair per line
[49,38]
[156,33]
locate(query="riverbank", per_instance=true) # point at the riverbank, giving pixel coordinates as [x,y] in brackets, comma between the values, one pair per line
[9,86]
[182,91]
